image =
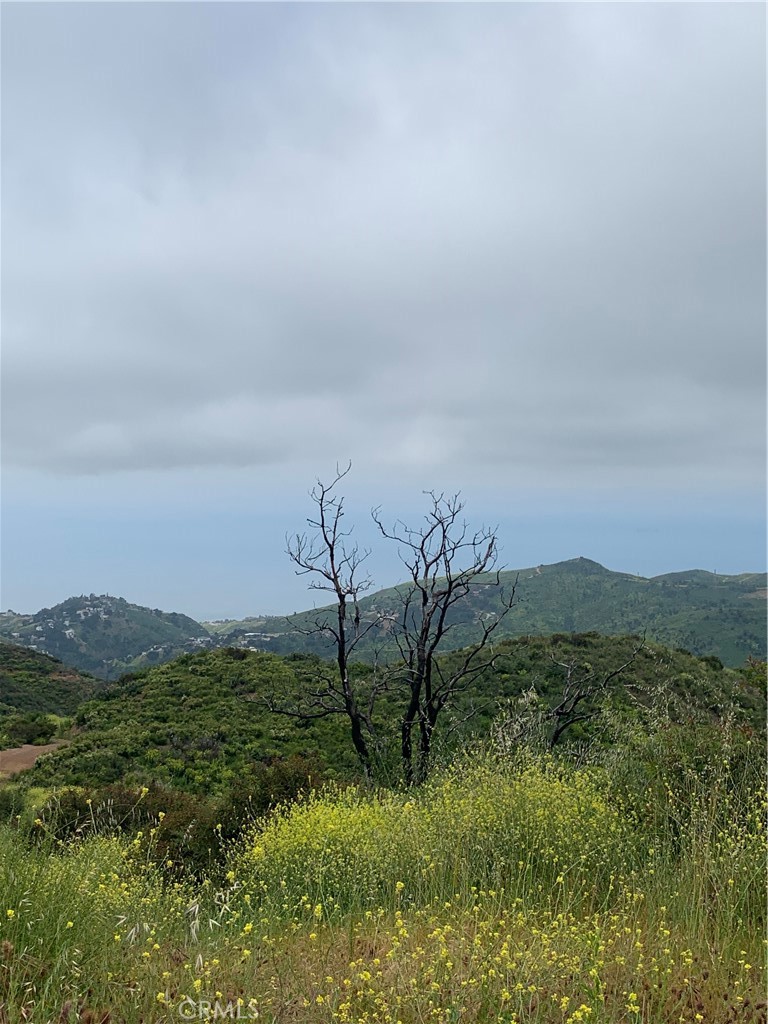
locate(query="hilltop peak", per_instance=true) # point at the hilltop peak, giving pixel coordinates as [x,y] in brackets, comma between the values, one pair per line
[104,634]
[581,564]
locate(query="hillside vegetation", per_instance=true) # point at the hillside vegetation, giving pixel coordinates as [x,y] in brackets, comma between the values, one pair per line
[190,856]
[30,681]
[197,723]
[699,611]
[707,614]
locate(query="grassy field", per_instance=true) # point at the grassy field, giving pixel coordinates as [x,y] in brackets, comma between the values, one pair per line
[625,888]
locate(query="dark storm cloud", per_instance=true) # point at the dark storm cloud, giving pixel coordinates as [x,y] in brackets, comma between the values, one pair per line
[497,237]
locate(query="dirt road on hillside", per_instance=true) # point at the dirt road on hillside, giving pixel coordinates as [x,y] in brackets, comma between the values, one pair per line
[18,758]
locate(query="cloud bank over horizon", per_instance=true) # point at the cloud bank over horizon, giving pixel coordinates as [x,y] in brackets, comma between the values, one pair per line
[414,236]
[515,248]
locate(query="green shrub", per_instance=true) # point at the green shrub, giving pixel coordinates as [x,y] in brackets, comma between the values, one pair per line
[33,727]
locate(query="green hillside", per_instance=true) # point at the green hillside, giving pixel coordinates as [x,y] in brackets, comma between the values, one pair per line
[34,682]
[190,723]
[103,634]
[699,611]
[196,724]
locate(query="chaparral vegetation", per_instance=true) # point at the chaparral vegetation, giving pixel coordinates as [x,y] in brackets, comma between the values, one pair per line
[540,830]
[624,883]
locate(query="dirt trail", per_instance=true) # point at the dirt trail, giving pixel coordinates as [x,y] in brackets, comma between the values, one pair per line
[18,758]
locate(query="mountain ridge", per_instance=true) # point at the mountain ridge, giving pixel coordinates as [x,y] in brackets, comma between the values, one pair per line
[103,634]
[692,609]
[696,610]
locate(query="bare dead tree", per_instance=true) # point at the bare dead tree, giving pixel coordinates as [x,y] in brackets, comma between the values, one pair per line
[582,686]
[335,566]
[445,563]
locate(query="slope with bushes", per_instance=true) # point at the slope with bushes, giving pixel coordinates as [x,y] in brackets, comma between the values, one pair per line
[34,682]
[37,693]
[198,722]
[194,724]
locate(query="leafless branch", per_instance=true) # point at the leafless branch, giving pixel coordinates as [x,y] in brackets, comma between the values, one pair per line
[582,683]
[445,562]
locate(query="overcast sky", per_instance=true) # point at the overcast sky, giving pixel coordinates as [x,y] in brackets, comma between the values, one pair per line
[517,250]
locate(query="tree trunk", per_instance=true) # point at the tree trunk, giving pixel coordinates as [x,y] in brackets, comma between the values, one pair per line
[406,740]
[358,739]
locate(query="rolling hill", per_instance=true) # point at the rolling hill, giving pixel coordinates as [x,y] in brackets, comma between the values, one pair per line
[699,611]
[30,681]
[196,723]
[105,635]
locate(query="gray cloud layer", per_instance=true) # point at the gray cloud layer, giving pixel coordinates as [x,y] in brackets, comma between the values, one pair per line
[516,238]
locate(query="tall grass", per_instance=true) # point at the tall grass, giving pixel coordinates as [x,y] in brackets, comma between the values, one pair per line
[509,890]
[525,827]
[73,917]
